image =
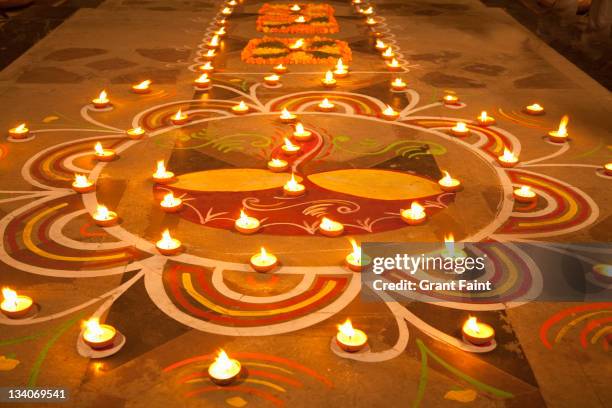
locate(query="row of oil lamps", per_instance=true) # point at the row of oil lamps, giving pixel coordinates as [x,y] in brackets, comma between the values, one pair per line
[225,370]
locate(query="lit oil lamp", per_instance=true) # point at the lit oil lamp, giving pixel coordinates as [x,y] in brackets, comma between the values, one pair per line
[289,148]
[224,370]
[161,175]
[272,80]
[325,106]
[356,2]
[398,85]
[371,22]
[341,70]
[524,194]
[449,184]
[393,65]
[232,3]
[202,82]
[221,32]
[608,169]
[485,120]
[246,225]
[297,45]
[280,69]
[330,228]
[209,55]
[367,12]
[534,109]
[227,11]
[415,215]
[560,135]
[167,245]
[293,188]
[355,260]
[380,45]
[300,19]
[450,100]
[103,217]
[240,109]
[179,118]
[207,68]
[19,132]
[82,184]
[15,306]
[102,101]
[508,159]
[287,117]
[102,154]
[263,261]
[277,165]
[451,248]
[142,88]
[300,134]
[460,129]
[171,204]
[221,21]
[388,53]
[98,336]
[135,133]
[389,113]
[477,333]
[295,8]
[350,339]
[214,42]
[329,81]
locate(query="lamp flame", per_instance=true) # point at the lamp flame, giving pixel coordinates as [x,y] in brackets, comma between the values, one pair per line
[161,169]
[10,296]
[562,130]
[329,76]
[285,114]
[169,200]
[472,324]
[299,128]
[80,180]
[389,111]
[326,103]
[93,328]
[203,78]
[143,85]
[483,116]
[380,44]
[346,328]
[356,249]
[507,156]
[289,145]
[21,128]
[102,212]
[179,115]
[99,149]
[103,97]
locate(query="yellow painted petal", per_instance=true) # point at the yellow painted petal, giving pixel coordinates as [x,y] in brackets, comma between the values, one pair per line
[232,180]
[376,184]
[7,364]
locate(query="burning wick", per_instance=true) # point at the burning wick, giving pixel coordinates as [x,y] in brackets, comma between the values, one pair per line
[460,129]
[263,261]
[388,53]
[241,108]
[415,215]
[220,32]
[296,46]
[300,134]
[295,8]
[560,135]
[277,165]
[300,20]
[330,228]
[98,336]
[168,245]
[135,133]
[508,159]
[371,21]
[451,249]
[389,113]
[15,306]
[476,333]
[102,154]
[81,184]
[325,106]
[232,3]
[329,81]
[534,109]
[524,194]
[202,82]
[350,339]
[171,204]
[142,88]
[102,101]
[210,54]
[450,100]
[286,116]
[393,66]
[19,132]
[398,85]
[341,70]
[214,42]
[224,370]
[280,69]
[207,68]
[485,120]
[289,148]
[226,11]
[293,188]
[246,224]
[380,45]
[272,80]
[608,169]
[161,175]
[449,184]
[103,217]
[179,118]
[355,260]
[367,12]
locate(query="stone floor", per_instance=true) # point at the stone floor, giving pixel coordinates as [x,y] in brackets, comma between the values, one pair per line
[176,312]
